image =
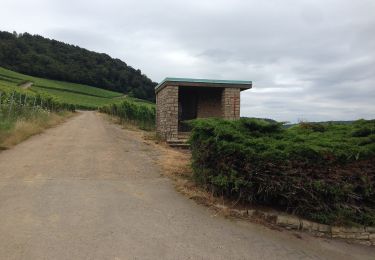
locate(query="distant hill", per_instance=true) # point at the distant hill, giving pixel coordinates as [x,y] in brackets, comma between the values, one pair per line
[260,118]
[342,122]
[81,96]
[38,56]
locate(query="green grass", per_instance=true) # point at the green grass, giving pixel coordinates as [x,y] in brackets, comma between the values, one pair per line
[80,100]
[82,96]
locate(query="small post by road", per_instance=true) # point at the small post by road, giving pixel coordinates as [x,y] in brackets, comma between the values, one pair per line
[11,104]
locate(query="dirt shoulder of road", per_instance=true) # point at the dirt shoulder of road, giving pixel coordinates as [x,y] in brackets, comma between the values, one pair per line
[24,129]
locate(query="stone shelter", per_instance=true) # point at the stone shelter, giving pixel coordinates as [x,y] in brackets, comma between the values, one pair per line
[181,99]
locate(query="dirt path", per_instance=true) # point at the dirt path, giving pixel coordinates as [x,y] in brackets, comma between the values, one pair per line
[26,85]
[91,190]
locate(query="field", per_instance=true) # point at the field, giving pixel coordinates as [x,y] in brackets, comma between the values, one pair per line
[82,96]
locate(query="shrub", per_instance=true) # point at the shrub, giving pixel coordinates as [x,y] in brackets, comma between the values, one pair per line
[327,176]
[315,127]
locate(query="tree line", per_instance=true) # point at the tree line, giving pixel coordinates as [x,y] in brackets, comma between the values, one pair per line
[38,56]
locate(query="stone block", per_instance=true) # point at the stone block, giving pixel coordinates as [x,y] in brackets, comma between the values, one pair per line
[336,230]
[250,212]
[349,235]
[289,221]
[353,229]
[306,225]
[324,228]
[363,236]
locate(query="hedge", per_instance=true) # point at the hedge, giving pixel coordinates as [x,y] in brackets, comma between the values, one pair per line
[323,172]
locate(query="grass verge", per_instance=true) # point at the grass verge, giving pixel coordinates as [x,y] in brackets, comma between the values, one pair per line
[15,131]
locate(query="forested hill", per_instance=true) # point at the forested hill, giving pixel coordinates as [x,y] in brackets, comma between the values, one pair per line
[38,56]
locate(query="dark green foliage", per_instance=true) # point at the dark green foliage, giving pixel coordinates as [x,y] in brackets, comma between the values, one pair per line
[42,57]
[315,127]
[136,112]
[319,171]
[361,129]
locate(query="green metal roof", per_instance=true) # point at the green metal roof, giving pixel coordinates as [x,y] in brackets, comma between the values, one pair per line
[208,81]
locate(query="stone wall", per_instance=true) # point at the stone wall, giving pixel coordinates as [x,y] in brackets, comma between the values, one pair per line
[362,235]
[167,112]
[230,102]
[209,103]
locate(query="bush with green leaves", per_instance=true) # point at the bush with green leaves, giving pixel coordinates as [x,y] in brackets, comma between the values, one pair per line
[324,172]
[138,113]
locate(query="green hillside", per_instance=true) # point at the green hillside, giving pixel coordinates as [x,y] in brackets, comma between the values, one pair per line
[38,56]
[82,96]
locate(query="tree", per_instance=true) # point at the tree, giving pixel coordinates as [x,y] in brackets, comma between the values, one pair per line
[39,56]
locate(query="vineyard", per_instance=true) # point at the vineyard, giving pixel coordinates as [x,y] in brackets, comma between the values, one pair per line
[81,96]
[23,114]
[11,100]
[323,172]
[136,112]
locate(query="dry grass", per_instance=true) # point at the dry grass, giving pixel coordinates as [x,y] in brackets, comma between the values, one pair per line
[117,120]
[24,129]
[176,165]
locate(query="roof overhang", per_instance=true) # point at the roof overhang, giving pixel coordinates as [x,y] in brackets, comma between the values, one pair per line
[241,84]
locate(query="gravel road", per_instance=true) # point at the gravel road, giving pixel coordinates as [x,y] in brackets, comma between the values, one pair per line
[88,189]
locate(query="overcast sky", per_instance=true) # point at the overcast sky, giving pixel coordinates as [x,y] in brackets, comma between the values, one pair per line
[308,60]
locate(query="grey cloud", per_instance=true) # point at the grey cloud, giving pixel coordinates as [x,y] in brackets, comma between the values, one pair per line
[309,59]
